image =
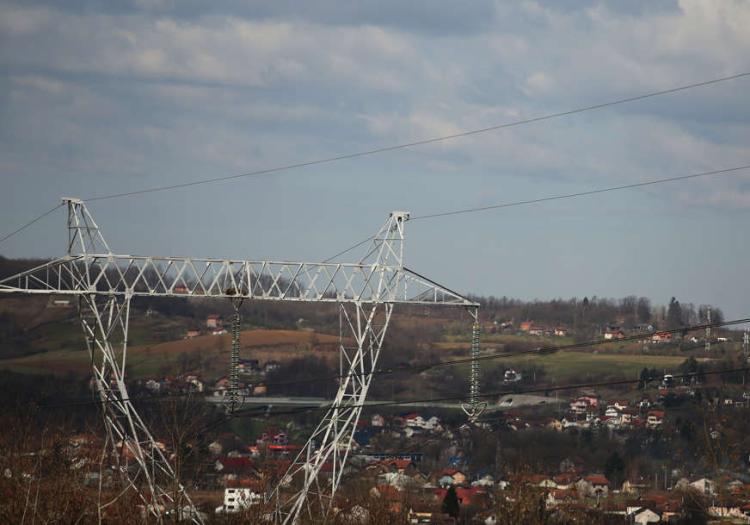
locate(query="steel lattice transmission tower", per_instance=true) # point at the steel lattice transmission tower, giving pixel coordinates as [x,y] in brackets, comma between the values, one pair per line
[367,291]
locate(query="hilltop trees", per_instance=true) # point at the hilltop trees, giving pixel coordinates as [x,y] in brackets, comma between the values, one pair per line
[674,315]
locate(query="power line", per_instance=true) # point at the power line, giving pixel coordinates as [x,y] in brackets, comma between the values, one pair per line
[33,221]
[423,142]
[536,390]
[582,193]
[350,248]
[539,200]
[542,351]
[545,389]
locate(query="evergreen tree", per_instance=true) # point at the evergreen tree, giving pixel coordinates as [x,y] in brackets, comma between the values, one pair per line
[450,503]
[674,314]
[614,468]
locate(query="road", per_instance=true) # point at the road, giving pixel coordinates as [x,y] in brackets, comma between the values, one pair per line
[505,403]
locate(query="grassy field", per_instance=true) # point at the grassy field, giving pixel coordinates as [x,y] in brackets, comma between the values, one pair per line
[211,352]
[588,366]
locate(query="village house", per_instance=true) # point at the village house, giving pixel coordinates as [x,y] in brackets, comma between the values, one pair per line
[467,497]
[655,418]
[594,485]
[561,331]
[221,386]
[620,404]
[512,376]
[237,500]
[248,366]
[644,516]
[213,321]
[194,381]
[614,333]
[566,480]
[661,337]
[585,405]
[416,421]
[190,334]
[633,488]
[451,477]
[536,330]
[704,486]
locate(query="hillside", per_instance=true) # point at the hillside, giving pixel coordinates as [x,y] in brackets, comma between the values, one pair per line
[208,353]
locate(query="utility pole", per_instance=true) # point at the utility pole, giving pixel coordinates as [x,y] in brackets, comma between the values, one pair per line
[708,329]
[746,344]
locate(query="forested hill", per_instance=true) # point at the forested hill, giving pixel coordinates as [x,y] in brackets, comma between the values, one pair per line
[10,267]
[627,312]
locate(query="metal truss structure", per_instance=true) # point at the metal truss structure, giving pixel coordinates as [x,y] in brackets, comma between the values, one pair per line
[366,291]
[475,407]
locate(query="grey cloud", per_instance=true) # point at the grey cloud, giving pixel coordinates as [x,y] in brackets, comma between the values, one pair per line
[435,17]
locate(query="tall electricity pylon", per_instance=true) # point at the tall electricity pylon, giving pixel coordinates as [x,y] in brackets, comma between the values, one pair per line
[105,283]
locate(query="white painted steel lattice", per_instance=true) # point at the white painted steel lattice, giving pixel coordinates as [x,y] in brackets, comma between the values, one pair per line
[105,283]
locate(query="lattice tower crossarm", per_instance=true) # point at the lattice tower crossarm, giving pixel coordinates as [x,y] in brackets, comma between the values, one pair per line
[105,284]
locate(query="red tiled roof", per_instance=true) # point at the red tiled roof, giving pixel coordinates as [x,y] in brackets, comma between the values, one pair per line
[236,464]
[565,478]
[388,492]
[399,464]
[597,479]
[466,496]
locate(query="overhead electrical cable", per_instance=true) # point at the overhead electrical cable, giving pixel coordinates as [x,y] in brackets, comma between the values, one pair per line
[33,221]
[542,351]
[539,200]
[422,142]
[500,393]
[582,193]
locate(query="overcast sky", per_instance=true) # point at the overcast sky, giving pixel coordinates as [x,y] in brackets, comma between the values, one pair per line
[98,97]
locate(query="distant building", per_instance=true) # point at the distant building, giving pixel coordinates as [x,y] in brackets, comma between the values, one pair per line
[60,303]
[661,337]
[192,333]
[595,485]
[704,486]
[655,418]
[536,330]
[260,390]
[512,376]
[614,333]
[237,500]
[561,331]
[213,321]
[271,366]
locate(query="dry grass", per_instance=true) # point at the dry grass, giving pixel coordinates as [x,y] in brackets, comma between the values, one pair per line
[147,360]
